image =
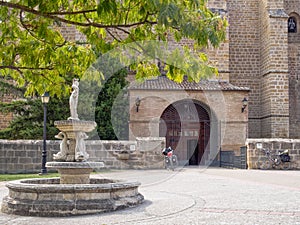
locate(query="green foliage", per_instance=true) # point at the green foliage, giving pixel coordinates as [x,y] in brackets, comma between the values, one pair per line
[10,177]
[112,113]
[28,122]
[35,53]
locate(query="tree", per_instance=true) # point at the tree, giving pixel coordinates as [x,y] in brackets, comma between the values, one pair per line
[112,113]
[34,52]
[28,120]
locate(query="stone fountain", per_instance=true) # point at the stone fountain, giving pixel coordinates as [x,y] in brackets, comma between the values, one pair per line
[74,193]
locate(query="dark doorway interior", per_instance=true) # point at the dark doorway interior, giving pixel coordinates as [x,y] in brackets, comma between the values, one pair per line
[193,153]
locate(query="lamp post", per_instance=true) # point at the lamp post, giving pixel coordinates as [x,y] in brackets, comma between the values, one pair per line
[45,99]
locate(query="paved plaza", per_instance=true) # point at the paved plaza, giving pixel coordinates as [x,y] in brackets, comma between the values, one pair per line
[194,195]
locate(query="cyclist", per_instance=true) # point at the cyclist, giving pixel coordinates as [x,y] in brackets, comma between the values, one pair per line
[170,158]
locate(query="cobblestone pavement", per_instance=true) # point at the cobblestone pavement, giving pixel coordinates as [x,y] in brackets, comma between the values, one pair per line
[194,195]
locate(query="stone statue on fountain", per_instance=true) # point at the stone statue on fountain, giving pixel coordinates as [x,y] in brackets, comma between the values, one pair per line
[74,100]
[72,132]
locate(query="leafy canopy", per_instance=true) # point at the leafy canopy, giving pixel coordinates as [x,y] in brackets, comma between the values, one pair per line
[36,54]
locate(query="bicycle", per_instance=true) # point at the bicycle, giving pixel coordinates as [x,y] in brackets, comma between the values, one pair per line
[269,160]
[170,158]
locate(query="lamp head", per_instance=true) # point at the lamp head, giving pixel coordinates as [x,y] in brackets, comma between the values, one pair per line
[245,103]
[137,103]
[45,97]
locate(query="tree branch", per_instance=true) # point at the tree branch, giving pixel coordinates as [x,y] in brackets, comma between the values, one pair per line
[55,16]
[113,36]
[19,68]
[34,36]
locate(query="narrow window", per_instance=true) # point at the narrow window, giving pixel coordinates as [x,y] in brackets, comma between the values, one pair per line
[292,25]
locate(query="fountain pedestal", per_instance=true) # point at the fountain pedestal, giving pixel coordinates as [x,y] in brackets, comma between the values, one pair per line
[75,172]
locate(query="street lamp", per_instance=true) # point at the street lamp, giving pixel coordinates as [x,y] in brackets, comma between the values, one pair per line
[45,99]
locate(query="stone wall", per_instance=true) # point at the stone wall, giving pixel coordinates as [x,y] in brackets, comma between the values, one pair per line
[220,57]
[274,70]
[258,51]
[244,54]
[25,156]
[275,145]
[230,159]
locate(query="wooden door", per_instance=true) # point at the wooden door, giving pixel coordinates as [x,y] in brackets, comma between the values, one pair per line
[186,126]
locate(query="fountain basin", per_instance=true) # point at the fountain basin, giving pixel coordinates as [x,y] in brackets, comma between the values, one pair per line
[72,126]
[47,197]
[75,125]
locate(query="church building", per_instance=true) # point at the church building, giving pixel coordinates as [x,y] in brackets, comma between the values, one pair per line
[255,96]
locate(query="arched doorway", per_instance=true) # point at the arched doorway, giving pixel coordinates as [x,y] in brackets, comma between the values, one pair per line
[186,126]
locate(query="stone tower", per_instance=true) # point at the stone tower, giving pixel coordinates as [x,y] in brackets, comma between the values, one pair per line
[264,55]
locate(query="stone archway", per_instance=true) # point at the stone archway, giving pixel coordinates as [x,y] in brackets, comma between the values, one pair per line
[186,126]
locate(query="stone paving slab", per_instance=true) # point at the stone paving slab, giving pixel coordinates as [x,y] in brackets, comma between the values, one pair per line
[194,195]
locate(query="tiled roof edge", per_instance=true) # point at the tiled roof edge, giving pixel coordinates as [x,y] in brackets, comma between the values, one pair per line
[163,83]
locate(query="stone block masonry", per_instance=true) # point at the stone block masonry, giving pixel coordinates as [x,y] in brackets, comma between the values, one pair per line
[25,156]
[275,145]
[244,55]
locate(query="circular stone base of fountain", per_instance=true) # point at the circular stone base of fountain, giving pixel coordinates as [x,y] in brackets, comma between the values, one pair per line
[47,197]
